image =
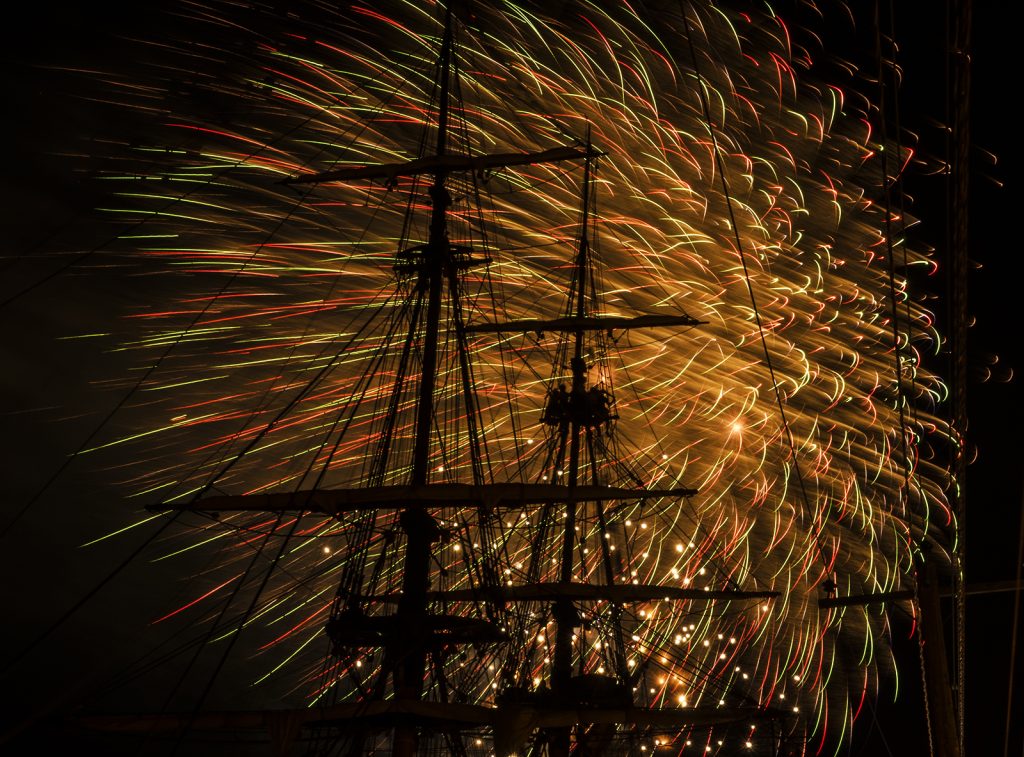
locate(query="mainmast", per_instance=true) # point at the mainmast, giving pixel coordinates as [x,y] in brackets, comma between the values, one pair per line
[407,656]
[412,634]
[564,613]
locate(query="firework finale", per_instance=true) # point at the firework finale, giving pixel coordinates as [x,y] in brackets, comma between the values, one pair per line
[263,347]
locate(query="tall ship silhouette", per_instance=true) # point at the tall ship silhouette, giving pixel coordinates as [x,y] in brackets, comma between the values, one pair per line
[550,430]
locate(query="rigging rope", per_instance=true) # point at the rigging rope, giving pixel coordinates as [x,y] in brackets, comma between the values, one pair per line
[1013,634]
[909,473]
[924,677]
[958,145]
[244,619]
[887,186]
[819,523]
[84,446]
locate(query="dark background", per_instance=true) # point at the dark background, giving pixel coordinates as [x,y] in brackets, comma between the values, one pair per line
[45,207]
[994,484]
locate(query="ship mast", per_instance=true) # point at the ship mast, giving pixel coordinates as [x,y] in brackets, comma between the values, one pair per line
[410,635]
[565,614]
[420,529]
[408,656]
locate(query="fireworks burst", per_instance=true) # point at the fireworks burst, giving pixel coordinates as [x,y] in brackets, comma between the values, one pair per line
[263,349]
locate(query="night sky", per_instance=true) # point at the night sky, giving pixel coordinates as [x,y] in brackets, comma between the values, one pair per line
[50,383]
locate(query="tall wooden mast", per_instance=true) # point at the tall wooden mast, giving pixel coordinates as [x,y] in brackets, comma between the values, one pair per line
[407,657]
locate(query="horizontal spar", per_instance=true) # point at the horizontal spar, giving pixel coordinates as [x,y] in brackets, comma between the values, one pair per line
[434,164]
[241,720]
[666,717]
[337,501]
[594,323]
[619,593]
[360,714]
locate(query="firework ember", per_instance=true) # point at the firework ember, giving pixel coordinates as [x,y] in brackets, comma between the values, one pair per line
[732,186]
